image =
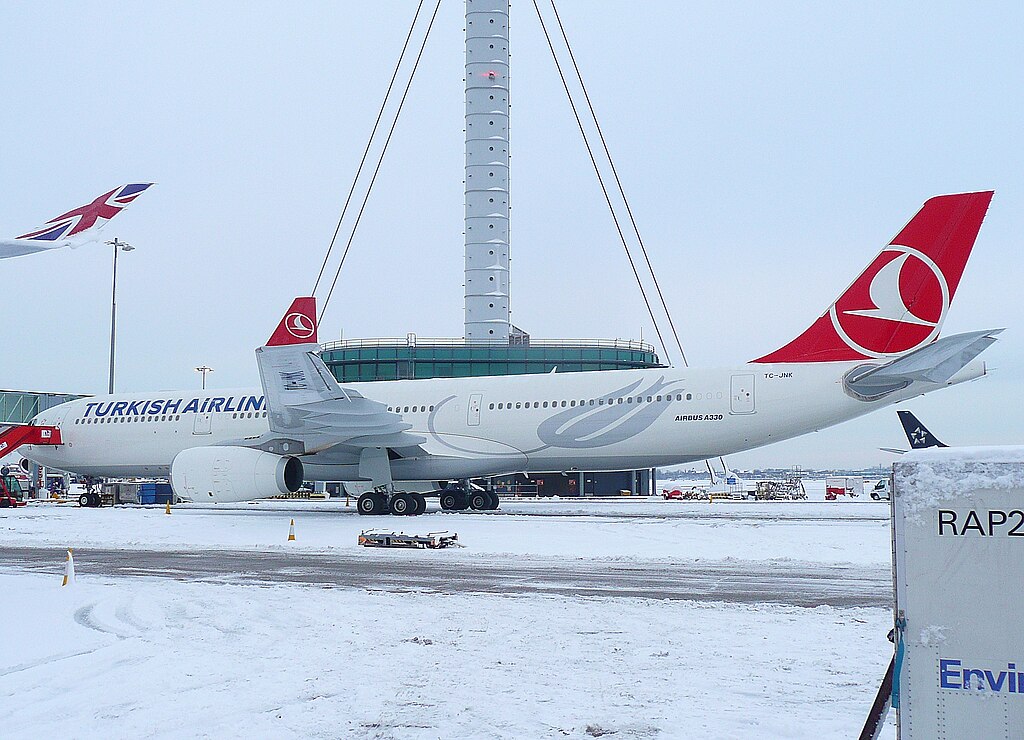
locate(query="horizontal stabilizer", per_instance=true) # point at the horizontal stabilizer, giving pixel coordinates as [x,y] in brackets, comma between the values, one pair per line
[935,363]
[306,405]
[304,402]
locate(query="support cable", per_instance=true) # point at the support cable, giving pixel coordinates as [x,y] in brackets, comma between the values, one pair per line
[369,143]
[618,182]
[380,161]
[600,178]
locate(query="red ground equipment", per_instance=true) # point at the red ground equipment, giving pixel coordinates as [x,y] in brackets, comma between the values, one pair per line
[836,486]
[11,492]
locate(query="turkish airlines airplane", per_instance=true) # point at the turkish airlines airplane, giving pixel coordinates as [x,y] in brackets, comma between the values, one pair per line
[76,227]
[876,345]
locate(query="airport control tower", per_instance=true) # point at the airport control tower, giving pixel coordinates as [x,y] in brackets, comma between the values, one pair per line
[487,205]
[492,345]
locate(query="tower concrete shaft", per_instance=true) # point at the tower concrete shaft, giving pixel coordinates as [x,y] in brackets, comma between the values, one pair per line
[487,171]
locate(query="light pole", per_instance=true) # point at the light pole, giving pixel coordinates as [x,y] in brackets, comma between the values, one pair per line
[204,370]
[122,247]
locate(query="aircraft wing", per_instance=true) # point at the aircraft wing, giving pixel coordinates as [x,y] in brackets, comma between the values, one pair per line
[307,409]
[16,248]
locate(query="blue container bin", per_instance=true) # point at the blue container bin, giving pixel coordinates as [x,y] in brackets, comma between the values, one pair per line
[155,493]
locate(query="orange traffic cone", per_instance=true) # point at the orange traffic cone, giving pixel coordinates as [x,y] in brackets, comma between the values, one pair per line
[69,570]
[291,531]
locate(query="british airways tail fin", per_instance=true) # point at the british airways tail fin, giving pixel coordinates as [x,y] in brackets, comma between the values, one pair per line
[917,433]
[899,302]
[77,226]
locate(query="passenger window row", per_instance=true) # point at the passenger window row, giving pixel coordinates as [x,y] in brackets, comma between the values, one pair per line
[591,402]
[172,417]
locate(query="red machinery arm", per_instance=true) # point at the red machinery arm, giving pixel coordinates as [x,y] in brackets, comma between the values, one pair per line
[15,437]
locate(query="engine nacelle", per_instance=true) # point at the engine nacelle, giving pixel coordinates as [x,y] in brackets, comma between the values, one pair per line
[223,474]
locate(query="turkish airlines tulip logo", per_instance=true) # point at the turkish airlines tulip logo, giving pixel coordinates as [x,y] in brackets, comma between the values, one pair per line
[895,306]
[299,325]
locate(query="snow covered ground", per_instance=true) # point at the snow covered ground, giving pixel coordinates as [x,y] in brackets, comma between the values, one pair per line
[128,656]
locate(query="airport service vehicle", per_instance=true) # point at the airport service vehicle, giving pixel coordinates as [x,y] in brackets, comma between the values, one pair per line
[692,493]
[836,486]
[76,227]
[791,489]
[882,490]
[876,345]
[12,494]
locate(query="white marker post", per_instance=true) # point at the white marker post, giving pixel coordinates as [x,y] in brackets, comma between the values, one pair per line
[69,570]
[958,543]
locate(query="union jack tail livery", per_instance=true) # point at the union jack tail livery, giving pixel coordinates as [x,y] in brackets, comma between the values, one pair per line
[77,226]
[899,302]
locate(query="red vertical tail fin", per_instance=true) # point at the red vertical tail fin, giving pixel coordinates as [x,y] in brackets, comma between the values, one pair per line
[899,302]
[298,325]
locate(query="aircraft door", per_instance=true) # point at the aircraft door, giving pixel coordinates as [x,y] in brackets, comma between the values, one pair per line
[473,416]
[201,425]
[58,417]
[741,397]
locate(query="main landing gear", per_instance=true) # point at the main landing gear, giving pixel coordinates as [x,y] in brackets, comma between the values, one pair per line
[399,503]
[459,498]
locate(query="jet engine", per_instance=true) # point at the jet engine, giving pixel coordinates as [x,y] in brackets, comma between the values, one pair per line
[223,474]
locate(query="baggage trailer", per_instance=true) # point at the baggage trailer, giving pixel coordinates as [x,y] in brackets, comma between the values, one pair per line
[431,540]
[836,486]
[774,490]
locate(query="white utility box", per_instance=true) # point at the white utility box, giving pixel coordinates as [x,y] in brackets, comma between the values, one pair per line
[958,566]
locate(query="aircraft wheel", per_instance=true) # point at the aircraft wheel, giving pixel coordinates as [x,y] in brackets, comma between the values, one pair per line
[94,499]
[402,504]
[479,500]
[449,501]
[461,501]
[493,503]
[371,503]
[85,500]
[421,503]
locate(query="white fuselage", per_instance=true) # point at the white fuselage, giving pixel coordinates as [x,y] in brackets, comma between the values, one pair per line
[610,420]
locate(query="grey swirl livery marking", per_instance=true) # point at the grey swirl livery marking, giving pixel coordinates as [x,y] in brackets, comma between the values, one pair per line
[587,427]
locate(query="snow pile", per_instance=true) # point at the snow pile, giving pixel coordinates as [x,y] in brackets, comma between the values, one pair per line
[924,483]
[143,657]
[992,453]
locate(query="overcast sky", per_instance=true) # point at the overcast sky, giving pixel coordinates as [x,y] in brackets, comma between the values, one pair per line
[769,151]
